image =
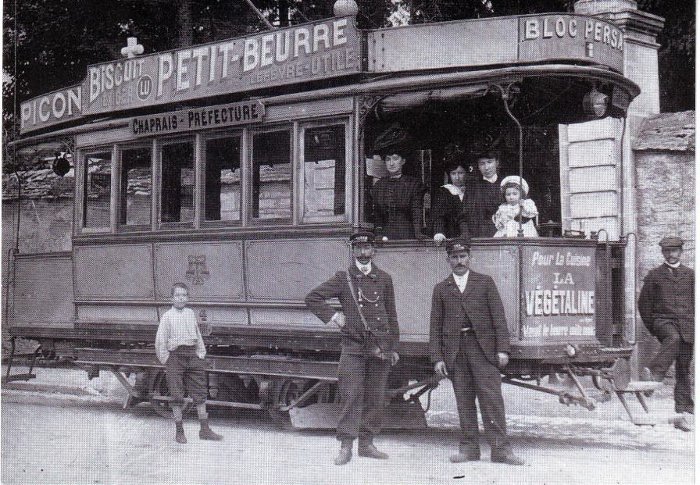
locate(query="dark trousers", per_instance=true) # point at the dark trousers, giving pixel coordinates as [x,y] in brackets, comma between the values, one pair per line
[362,384]
[184,371]
[474,377]
[674,348]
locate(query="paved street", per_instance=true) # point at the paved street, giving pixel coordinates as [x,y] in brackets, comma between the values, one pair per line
[81,435]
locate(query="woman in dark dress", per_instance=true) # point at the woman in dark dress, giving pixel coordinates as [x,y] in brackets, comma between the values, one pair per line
[397,201]
[450,202]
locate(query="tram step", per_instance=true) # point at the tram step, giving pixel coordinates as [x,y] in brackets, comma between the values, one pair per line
[642,386]
[398,415]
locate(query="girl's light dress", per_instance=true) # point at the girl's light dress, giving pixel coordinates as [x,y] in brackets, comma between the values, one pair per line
[506,221]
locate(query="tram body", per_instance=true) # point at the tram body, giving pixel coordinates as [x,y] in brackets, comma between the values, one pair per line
[276,228]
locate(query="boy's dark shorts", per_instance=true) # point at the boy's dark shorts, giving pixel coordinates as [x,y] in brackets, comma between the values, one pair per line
[185,371]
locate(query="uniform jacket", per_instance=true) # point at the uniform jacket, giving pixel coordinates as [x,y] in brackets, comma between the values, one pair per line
[375,292]
[398,207]
[481,304]
[484,199]
[446,211]
[669,298]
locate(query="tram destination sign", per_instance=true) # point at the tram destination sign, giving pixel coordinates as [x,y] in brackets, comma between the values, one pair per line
[570,36]
[558,292]
[206,117]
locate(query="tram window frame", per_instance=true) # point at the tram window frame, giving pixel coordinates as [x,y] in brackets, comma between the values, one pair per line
[242,167]
[160,144]
[251,219]
[123,226]
[81,173]
[347,171]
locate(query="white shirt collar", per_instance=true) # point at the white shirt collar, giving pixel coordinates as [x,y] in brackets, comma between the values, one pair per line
[491,179]
[461,280]
[672,265]
[364,268]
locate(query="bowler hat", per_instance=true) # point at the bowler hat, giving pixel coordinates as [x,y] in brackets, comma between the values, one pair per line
[362,237]
[458,244]
[671,242]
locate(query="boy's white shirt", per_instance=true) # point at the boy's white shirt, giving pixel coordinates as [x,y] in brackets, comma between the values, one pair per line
[178,327]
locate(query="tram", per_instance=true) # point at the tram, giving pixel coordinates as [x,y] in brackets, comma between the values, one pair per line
[241,167]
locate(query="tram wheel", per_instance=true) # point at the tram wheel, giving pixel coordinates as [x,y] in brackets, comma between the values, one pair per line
[159,386]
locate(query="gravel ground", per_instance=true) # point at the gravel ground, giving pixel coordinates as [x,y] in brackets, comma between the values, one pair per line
[62,428]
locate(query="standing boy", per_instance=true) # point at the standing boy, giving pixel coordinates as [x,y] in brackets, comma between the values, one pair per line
[370,340]
[667,306]
[469,342]
[180,348]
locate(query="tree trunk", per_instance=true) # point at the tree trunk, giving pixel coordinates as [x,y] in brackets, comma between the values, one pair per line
[184,15]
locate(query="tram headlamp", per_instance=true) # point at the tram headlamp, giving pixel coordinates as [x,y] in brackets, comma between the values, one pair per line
[570,350]
[595,103]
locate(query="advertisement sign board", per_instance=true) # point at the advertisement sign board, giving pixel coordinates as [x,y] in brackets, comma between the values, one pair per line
[301,53]
[558,292]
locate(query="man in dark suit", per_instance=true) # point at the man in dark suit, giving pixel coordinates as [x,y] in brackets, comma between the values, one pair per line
[469,342]
[370,340]
[667,306]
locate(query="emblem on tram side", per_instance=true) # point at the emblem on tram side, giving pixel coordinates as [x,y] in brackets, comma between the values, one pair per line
[197,270]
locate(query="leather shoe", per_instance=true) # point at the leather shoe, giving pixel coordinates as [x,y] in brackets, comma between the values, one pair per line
[344,455]
[368,450]
[507,457]
[463,456]
[682,424]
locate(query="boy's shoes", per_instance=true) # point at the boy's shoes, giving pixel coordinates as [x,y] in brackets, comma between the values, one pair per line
[368,450]
[507,457]
[180,433]
[682,424]
[206,433]
[345,453]
[466,455]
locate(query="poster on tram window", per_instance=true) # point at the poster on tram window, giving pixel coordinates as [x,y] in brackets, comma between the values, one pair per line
[558,292]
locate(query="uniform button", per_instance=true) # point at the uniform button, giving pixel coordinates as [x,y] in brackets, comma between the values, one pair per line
[376,304]
[361,305]
[378,318]
[375,292]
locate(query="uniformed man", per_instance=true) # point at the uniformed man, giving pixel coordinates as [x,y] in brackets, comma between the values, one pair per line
[469,343]
[370,340]
[667,307]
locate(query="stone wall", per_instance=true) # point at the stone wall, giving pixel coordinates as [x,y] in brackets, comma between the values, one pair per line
[665,191]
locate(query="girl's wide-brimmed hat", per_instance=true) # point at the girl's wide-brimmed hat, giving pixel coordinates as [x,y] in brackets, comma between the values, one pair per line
[515,180]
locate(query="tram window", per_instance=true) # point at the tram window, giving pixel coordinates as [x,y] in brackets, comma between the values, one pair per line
[222,185]
[177,188]
[324,172]
[136,187]
[97,183]
[272,175]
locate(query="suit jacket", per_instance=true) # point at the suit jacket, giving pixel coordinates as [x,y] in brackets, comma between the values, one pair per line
[375,294]
[669,299]
[481,304]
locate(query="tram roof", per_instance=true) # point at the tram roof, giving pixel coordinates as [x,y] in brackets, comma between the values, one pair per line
[324,59]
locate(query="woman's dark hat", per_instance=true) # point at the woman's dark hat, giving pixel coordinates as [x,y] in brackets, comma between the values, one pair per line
[458,244]
[392,140]
[362,237]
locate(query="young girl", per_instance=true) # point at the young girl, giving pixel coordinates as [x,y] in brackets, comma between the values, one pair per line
[507,217]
